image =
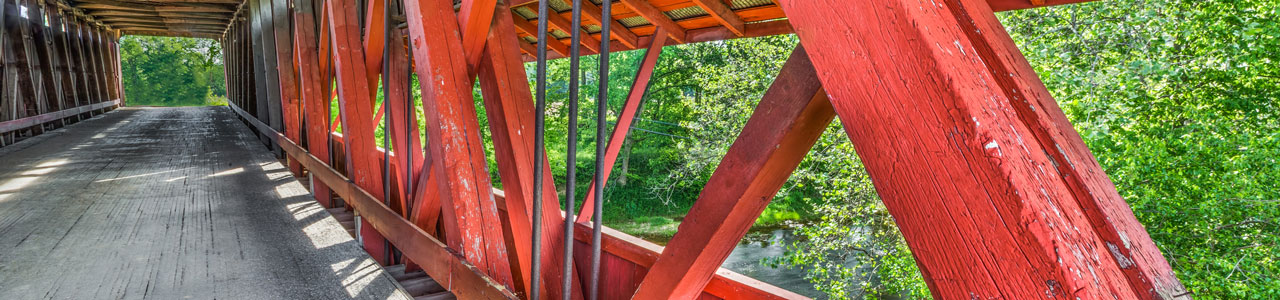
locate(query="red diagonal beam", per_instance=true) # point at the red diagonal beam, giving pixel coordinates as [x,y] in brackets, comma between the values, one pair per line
[454,138]
[628,115]
[356,112]
[474,20]
[787,122]
[503,82]
[510,111]
[998,197]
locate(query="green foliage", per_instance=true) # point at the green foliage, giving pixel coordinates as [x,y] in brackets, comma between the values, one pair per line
[165,71]
[1177,99]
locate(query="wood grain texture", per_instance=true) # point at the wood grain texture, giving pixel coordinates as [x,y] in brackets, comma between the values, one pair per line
[453,138]
[311,90]
[357,110]
[959,137]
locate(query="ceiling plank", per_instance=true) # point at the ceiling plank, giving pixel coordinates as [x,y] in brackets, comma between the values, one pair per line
[558,22]
[722,13]
[171,33]
[616,30]
[531,29]
[656,17]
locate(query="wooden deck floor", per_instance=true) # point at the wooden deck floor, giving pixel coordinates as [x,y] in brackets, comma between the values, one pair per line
[169,203]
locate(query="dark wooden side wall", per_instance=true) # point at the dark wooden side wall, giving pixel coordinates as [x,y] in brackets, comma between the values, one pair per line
[57,67]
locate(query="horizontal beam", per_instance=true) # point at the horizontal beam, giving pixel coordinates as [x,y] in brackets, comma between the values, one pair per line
[725,284]
[170,33]
[443,264]
[12,125]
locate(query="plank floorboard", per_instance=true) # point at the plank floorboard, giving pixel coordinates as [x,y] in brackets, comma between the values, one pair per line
[169,203]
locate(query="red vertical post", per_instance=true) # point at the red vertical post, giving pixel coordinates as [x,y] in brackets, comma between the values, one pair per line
[312,87]
[288,78]
[785,125]
[357,112]
[454,138]
[992,188]
[510,113]
[404,133]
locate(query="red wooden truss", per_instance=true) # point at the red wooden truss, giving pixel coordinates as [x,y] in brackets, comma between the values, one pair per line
[995,192]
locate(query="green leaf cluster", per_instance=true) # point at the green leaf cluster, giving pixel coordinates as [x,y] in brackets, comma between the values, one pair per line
[169,71]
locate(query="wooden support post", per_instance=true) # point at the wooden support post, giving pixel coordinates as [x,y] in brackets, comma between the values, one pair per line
[49,77]
[29,78]
[259,98]
[787,122]
[312,86]
[271,73]
[474,20]
[993,189]
[629,111]
[100,62]
[509,107]
[453,137]
[70,83]
[289,105]
[357,111]
[405,138]
[373,46]
[8,97]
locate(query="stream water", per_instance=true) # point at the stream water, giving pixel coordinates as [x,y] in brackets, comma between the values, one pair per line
[746,260]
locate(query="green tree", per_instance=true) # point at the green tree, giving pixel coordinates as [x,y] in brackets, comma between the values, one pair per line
[168,71]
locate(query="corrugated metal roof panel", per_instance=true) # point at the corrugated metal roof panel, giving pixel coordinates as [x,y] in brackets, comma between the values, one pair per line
[741,4]
[526,12]
[633,21]
[685,13]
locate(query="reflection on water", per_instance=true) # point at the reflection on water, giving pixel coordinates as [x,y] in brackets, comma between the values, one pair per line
[746,260]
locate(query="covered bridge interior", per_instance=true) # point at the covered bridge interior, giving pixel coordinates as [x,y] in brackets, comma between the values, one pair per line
[994,191]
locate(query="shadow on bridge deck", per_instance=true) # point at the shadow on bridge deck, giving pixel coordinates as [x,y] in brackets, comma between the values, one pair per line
[169,203]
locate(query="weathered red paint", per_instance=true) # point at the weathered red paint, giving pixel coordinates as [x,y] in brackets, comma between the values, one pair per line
[988,196]
[454,138]
[509,109]
[787,122]
[312,85]
[348,62]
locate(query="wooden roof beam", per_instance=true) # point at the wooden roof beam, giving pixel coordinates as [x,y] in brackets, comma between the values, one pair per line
[657,18]
[171,33]
[557,22]
[617,30]
[722,13]
[531,29]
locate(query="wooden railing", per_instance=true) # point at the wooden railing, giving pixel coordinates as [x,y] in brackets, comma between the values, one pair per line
[625,261]
[32,121]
